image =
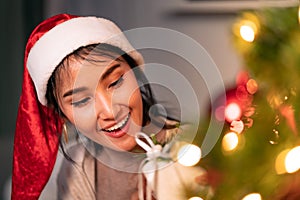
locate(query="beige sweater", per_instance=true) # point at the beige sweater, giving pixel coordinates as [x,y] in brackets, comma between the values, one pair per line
[106,175]
[102,174]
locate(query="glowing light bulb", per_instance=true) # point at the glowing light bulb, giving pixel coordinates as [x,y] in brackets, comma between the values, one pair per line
[280,162]
[248,31]
[292,160]
[237,126]
[299,14]
[252,86]
[252,196]
[232,112]
[219,113]
[230,141]
[195,198]
[189,155]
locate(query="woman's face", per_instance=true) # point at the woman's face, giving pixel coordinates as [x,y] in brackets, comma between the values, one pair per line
[102,99]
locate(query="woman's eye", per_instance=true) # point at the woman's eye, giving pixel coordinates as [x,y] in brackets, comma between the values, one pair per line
[117,82]
[81,102]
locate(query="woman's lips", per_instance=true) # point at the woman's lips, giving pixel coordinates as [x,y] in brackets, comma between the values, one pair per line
[118,130]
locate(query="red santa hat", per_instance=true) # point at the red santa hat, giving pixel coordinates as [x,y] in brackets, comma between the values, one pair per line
[38,128]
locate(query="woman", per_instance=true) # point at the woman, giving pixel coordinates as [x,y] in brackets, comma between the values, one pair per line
[82,72]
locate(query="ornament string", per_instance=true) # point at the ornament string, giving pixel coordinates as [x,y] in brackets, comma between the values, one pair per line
[153,152]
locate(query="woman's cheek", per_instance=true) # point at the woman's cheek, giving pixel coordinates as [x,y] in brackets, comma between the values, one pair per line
[85,119]
[128,93]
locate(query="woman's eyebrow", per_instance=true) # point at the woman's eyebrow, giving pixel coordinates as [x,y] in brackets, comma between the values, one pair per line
[109,71]
[104,76]
[74,91]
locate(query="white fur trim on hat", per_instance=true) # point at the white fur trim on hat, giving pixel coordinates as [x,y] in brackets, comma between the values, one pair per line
[67,37]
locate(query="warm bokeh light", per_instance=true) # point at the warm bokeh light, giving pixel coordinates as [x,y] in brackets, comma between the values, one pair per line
[232,112]
[252,196]
[248,31]
[237,126]
[195,198]
[230,141]
[252,86]
[219,113]
[189,155]
[292,160]
[247,28]
[280,162]
[299,14]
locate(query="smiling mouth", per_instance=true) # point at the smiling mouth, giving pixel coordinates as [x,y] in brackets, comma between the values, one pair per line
[118,126]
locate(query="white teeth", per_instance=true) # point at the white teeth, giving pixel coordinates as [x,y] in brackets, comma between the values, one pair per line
[118,125]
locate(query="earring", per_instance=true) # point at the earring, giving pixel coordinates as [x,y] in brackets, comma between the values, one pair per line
[65,132]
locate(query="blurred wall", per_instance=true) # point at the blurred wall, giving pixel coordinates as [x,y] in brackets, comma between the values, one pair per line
[11,51]
[17,20]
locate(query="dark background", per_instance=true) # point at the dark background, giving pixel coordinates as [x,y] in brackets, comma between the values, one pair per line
[17,20]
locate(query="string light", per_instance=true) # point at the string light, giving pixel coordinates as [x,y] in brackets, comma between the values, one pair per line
[195,198]
[299,14]
[247,27]
[219,113]
[252,196]
[248,30]
[288,161]
[252,86]
[237,126]
[280,162]
[232,112]
[230,141]
[292,160]
[189,155]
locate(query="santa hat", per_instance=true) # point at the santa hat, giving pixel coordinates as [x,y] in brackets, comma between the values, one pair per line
[38,128]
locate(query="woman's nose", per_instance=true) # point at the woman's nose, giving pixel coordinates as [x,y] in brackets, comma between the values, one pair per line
[105,106]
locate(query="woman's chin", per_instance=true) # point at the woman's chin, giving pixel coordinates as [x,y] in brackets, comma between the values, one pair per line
[127,145]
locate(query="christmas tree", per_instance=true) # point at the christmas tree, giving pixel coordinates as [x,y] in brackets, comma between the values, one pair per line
[258,153]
